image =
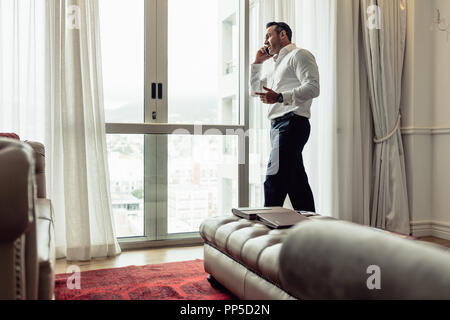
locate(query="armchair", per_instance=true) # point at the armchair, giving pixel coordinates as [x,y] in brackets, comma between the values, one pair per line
[27,249]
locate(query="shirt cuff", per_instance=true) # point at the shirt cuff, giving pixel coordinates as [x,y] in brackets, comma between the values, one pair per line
[256,67]
[287,97]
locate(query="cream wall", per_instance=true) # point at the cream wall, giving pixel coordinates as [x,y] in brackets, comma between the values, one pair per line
[442,70]
[441,123]
[426,120]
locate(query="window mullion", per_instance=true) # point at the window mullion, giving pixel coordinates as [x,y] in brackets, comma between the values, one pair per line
[150,145]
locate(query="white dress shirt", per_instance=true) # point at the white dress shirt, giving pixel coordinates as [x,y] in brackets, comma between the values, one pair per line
[295,76]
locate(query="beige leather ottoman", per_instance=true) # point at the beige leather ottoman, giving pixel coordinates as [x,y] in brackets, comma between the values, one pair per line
[243,256]
[322,258]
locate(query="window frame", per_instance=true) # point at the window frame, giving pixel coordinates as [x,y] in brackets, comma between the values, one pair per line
[156,131]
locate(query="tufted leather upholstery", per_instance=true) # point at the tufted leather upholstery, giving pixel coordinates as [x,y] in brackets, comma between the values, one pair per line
[254,250]
[322,258]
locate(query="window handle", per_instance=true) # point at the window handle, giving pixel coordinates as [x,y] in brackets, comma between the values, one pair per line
[160,91]
[153,90]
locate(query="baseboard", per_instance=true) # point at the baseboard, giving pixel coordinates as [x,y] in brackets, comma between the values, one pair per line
[421,228]
[431,228]
[441,230]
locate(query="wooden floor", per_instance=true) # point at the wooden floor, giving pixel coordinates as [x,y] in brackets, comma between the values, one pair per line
[136,258]
[162,255]
[442,242]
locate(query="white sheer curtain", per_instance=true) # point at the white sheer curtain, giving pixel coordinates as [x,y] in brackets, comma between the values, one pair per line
[338,157]
[22,68]
[316,32]
[78,139]
[51,91]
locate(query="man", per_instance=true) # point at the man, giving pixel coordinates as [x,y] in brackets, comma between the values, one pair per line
[289,90]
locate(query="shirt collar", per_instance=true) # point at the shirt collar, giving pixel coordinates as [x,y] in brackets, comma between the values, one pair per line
[284,51]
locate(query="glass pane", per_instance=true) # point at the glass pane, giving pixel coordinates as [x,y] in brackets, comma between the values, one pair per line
[122,38]
[203,61]
[202,179]
[126,169]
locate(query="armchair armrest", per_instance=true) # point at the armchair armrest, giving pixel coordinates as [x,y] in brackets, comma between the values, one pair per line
[39,157]
[16,189]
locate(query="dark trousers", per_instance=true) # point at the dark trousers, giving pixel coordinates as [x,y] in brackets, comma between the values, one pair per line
[285,171]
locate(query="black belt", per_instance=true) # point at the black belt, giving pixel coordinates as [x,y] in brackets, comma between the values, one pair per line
[282,118]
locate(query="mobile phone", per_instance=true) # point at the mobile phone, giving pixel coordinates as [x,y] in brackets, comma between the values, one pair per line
[267,51]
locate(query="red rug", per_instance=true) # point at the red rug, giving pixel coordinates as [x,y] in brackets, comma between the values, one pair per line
[169,281]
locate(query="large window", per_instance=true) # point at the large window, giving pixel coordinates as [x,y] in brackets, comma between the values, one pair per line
[126,162]
[202,179]
[174,105]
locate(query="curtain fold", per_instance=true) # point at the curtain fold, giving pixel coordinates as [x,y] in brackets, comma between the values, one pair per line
[384,38]
[80,175]
[354,119]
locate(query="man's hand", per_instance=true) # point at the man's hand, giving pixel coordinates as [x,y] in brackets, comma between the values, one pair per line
[261,56]
[269,97]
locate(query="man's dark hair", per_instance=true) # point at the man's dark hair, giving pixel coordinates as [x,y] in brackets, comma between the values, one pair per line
[280,26]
